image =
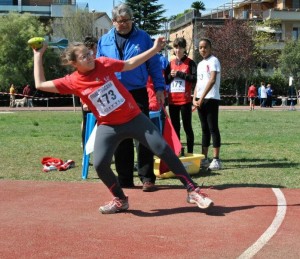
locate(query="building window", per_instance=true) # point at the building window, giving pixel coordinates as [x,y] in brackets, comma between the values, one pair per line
[61,2]
[296,4]
[296,32]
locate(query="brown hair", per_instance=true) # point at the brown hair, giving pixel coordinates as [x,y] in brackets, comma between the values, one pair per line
[180,42]
[90,42]
[69,55]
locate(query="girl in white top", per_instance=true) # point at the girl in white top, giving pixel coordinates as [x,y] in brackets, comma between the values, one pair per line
[206,99]
[205,70]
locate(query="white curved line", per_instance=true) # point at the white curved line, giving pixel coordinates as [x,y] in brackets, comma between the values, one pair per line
[272,229]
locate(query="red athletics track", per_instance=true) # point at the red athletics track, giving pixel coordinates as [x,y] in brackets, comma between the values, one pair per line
[61,220]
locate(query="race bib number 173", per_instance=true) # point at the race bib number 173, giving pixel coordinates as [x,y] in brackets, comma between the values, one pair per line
[107,98]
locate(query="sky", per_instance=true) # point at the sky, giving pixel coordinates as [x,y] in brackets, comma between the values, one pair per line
[173,7]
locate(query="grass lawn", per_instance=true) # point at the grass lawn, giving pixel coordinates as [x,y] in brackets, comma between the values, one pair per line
[259,148]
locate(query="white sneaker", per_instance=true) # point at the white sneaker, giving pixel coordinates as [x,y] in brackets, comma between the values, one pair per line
[199,198]
[205,163]
[215,164]
[116,205]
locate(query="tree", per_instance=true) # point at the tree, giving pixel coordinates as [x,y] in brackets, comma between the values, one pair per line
[233,45]
[289,61]
[264,39]
[148,15]
[16,58]
[199,6]
[74,25]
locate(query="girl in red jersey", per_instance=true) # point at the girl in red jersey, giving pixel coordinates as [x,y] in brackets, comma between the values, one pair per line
[181,74]
[118,116]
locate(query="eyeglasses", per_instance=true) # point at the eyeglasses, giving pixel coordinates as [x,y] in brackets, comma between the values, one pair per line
[123,21]
[86,56]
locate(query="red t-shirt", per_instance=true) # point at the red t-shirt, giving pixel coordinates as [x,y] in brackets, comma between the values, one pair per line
[252,91]
[100,89]
[26,90]
[153,103]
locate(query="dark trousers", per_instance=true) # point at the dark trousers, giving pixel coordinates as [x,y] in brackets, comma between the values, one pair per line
[269,101]
[124,154]
[209,116]
[186,115]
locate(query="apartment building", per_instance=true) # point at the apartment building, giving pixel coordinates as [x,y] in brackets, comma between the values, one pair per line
[50,9]
[192,26]
[286,11]
[45,9]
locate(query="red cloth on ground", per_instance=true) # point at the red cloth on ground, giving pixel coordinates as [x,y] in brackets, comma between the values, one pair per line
[52,163]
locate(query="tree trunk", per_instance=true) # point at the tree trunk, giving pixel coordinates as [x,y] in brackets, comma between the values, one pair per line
[246,92]
[237,96]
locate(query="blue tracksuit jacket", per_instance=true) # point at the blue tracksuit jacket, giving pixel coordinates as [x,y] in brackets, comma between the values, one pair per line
[138,42]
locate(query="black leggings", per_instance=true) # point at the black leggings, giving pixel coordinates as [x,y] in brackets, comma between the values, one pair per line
[209,116]
[186,114]
[124,155]
[143,130]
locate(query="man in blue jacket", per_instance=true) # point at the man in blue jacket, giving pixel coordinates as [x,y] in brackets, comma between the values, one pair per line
[122,42]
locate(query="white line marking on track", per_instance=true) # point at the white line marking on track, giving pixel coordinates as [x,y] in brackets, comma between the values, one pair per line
[272,229]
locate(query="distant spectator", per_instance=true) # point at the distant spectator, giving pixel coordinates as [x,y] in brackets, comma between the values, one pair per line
[12,92]
[292,92]
[269,96]
[27,92]
[259,94]
[252,95]
[292,95]
[263,95]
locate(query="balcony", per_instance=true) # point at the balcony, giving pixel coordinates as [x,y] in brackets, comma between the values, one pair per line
[284,14]
[54,10]
[188,17]
[35,10]
[278,45]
